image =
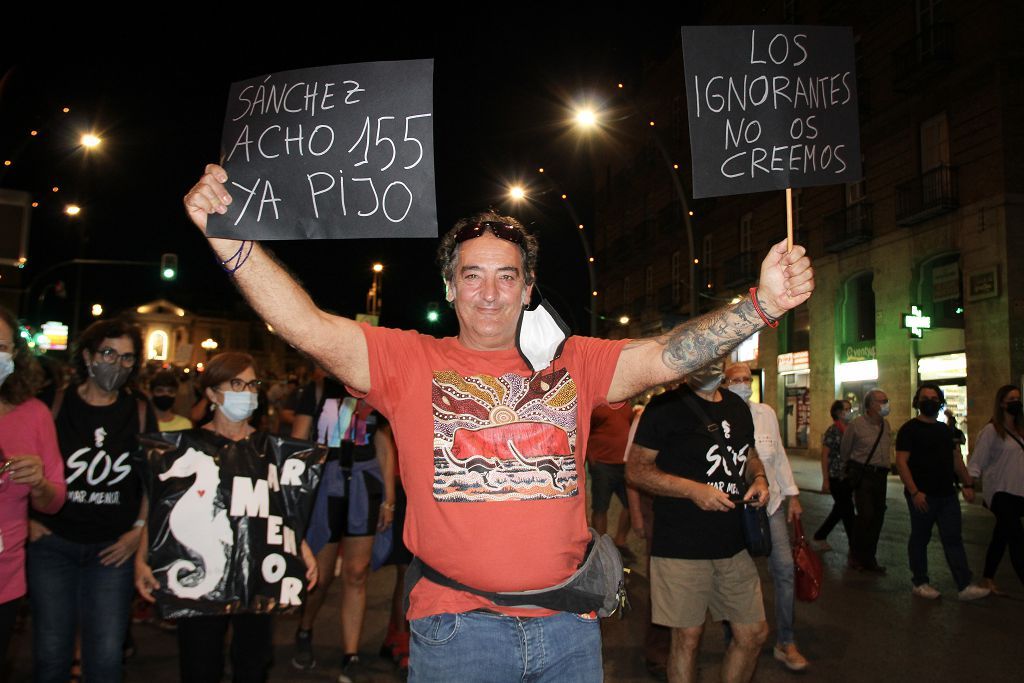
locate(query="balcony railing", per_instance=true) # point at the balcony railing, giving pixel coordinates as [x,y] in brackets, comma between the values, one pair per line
[932,193]
[928,51]
[849,227]
[741,269]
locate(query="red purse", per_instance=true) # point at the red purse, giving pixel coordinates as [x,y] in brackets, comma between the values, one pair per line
[806,566]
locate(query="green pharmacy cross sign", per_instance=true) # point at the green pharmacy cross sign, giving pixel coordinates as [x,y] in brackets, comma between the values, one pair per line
[916,322]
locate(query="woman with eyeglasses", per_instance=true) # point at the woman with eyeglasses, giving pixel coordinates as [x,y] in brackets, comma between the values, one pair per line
[79,559]
[230,384]
[998,458]
[31,471]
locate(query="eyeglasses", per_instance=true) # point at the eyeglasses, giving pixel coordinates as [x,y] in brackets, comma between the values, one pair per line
[109,355]
[505,231]
[252,385]
[738,380]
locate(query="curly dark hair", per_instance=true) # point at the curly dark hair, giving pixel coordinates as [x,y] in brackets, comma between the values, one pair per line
[27,376]
[837,407]
[448,250]
[93,336]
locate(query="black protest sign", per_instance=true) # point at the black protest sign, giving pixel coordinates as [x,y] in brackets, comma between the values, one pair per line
[226,521]
[331,152]
[770,107]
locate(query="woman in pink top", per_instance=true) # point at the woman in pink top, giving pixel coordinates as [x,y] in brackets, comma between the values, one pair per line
[31,469]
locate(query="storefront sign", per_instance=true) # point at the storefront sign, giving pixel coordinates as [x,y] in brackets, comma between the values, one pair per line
[946,282]
[860,351]
[54,336]
[798,361]
[983,284]
[916,322]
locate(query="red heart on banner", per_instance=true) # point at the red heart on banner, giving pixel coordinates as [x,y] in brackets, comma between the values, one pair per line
[201,492]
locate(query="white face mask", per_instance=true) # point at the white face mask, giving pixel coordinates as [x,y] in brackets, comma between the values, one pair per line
[540,335]
[238,406]
[6,366]
[744,391]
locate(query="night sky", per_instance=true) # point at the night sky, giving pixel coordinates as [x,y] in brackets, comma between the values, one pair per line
[500,111]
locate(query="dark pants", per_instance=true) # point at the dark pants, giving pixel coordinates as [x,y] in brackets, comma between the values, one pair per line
[842,510]
[201,647]
[945,512]
[1008,510]
[70,590]
[869,497]
[8,615]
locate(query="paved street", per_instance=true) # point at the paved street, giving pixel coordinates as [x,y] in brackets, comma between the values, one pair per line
[862,629]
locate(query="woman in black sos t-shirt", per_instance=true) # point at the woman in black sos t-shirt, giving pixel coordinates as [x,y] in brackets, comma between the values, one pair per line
[79,560]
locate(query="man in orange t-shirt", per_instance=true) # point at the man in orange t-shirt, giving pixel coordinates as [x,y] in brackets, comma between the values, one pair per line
[609,433]
[491,435]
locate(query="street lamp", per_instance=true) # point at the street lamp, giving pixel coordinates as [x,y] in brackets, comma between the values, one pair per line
[516,192]
[586,118]
[677,187]
[97,310]
[90,141]
[624,320]
[72,209]
[373,297]
[209,344]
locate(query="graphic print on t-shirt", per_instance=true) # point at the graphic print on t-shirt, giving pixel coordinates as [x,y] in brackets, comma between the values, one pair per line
[504,438]
[726,470]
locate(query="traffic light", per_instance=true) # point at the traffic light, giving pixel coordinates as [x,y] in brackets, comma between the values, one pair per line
[169,267]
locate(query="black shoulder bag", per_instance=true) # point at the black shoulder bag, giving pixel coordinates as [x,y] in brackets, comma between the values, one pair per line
[756,531]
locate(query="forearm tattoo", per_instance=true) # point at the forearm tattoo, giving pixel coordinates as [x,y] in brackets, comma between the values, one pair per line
[697,342]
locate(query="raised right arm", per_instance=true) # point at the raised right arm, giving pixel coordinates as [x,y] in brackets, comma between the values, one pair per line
[336,343]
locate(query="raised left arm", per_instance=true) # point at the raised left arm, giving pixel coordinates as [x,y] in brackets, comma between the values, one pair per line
[787,281]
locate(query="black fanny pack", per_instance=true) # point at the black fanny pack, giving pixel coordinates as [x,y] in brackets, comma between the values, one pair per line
[598,585]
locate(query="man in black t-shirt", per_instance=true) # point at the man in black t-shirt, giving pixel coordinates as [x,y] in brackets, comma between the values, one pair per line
[699,559]
[927,456]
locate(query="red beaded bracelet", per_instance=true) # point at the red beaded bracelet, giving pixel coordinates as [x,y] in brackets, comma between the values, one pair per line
[757,307]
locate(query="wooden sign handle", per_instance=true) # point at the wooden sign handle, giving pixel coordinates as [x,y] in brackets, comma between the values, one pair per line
[789,219]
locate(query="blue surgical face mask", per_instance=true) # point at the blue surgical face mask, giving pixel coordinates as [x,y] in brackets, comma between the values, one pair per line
[744,391]
[238,406]
[885,410]
[6,366]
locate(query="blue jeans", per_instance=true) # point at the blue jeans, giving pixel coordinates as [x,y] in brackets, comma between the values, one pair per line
[69,588]
[781,561]
[944,511]
[484,646]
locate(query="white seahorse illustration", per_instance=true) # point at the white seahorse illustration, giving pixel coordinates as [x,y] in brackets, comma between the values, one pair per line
[198,525]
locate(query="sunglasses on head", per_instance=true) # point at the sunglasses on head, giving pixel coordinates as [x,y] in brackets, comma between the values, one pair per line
[505,231]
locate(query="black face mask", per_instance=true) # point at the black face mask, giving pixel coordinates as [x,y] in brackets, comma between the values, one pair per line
[1015,408]
[163,403]
[929,407]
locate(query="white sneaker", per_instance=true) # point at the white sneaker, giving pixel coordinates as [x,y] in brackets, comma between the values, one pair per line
[927,592]
[973,592]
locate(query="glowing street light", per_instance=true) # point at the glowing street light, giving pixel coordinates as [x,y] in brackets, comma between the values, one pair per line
[516,192]
[586,118]
[72,209]
[97,310]
[90,140]
[378,267]
[209,344]
[624,320]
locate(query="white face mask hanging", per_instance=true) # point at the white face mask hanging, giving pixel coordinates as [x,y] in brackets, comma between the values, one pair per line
[540,333]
